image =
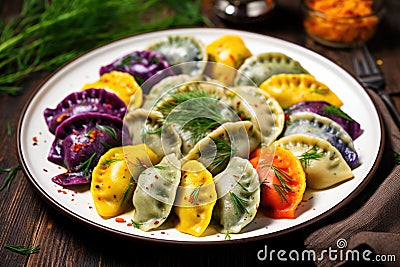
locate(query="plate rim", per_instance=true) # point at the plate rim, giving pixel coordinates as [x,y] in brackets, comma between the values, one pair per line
[80,219]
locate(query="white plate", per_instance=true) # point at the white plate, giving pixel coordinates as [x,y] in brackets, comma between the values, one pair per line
[34,140]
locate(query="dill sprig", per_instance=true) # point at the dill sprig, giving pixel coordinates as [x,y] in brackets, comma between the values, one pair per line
[86,165]
[195,194]
[198,117]
[282,188]
[108,130]
[127,190]
[109,161]
[174,99]
[12,172]
[136,224]
[9,129]
[311,154]
[336,111]
[239,203]
[223,153]
[21,249]
[320,91]
[227,236]
[47,34]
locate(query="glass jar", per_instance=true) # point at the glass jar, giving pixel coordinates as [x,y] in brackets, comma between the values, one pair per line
[341,23]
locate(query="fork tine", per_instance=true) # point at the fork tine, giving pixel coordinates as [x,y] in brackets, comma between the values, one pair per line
[356,63]
[370,60]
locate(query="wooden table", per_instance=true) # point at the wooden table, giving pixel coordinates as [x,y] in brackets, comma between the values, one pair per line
[26,219]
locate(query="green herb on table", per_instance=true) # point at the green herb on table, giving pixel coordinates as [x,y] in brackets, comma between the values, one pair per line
[12,172]
[47,34]
[397,158]
[22,250]
[9,129]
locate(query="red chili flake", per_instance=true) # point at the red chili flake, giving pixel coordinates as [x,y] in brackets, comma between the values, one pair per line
[147,188]
[163,233]
[76,147]
[231,57]
[156,222]
[120,220]
[155,176]
[191,198]
[35,140]
[73,199]
[266,227]
[62,117]
[129,224]
[287,117]
[93,134]
[45,170]
[90,207]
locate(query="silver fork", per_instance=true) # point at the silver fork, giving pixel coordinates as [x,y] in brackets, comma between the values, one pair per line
[371,77]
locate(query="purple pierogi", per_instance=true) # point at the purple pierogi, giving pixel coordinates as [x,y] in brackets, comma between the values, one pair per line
[79,143]
[90,100]
[325,109]
[140,64]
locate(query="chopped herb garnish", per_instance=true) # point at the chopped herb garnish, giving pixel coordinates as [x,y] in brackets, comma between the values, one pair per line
[198,117]
[282,192]
[227,236]
[336,111]
[239,203]
[242,186]
[106,146]
[86,165]
[22,250]
[320,91]
[311,154]
[136,224]
[127,190]
[108,130]
[12,172]
[109,161]
[159,167]
[223,153]
[282,188]
[195,194]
